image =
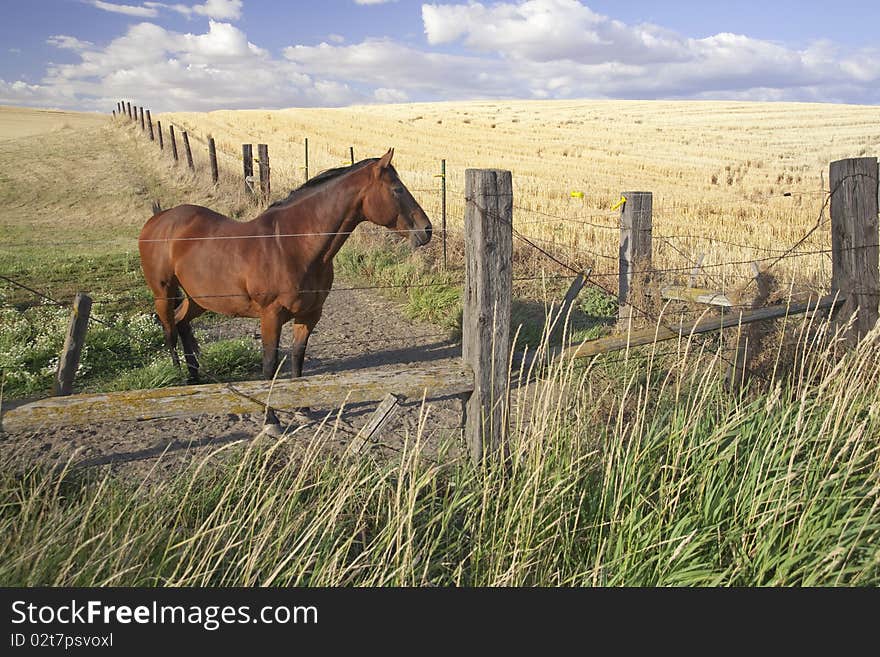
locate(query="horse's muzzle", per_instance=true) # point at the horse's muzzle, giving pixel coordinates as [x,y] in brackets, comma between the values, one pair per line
[422,236]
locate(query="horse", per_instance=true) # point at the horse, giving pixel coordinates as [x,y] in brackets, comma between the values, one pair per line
[276,267]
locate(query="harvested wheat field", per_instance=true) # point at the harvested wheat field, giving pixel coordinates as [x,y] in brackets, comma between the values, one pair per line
[736,181]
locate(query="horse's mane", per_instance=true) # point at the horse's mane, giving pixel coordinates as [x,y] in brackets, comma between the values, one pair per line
[320,179]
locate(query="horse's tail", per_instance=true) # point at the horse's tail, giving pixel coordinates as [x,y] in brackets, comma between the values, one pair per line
[156,207]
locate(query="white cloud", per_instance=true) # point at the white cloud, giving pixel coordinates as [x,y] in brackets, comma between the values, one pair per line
[529,49]
[561,48]
[168,70]
[66,42]
[217,9]
[386,95]
[130,10]
[373,2]
[383,63]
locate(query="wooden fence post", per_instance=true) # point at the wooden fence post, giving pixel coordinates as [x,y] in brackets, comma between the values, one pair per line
[129,110]
[351,154]
[73,344]
[114,115]
[488,229]
[189,155]
[383,414]
[212,155]
[247,159]
[854,241]
[263,155]
[635,251]
[150,125]
[161,139]
[143,127]
[307,159]
[173,142]
[443,207]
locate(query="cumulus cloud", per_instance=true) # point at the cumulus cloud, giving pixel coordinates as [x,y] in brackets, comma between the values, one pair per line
[383,63]
[561,48]
[177,71]
[527,49]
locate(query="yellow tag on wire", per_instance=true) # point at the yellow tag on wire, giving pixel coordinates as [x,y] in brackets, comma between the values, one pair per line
[577,194]
[619,203]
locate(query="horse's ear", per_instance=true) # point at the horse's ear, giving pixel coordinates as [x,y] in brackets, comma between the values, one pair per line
[386,159]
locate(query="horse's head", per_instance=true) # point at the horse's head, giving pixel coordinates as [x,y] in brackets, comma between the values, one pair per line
[387,202]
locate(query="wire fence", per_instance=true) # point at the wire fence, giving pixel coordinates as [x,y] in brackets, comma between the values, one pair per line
[564,258]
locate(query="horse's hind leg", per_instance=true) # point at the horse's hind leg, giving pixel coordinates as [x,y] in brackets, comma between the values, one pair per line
[167,296]
[187,311]
[270,332]
[302,329]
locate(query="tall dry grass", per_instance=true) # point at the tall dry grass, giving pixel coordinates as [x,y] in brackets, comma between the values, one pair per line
[651,476]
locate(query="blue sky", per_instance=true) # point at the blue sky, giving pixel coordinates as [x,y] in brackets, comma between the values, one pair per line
[210,54]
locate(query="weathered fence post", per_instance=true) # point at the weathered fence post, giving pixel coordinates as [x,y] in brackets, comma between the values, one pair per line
[150,125]
[351,154]
[263,155]
[73,344]
[114,115]
[173,142]
[247,158]
[307,159]
[189,155]
[635,251]
[383,414]
[161,139]
[443,207]
[488,229]
[854,241]
[143,127]
[129,110]
[212,156]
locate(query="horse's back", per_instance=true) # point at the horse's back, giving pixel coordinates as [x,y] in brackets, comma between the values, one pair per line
[180,218]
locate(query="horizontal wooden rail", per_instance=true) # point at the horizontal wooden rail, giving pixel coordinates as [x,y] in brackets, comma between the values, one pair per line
[321,391]
[706,325]
[695,294]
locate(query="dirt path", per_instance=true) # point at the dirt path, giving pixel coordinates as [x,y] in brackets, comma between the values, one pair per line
[359,330]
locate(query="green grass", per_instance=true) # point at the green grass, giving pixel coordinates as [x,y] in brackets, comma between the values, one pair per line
[670,483]
[434,296]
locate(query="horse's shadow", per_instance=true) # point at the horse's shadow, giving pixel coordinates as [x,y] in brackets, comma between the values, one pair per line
[434,351]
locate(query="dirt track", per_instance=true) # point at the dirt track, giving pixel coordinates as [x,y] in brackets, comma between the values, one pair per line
[358,330]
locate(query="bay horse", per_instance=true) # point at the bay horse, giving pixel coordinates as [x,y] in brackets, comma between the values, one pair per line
[276,267]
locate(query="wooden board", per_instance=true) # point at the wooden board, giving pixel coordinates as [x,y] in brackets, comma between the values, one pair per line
[323,391]
[671,332]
